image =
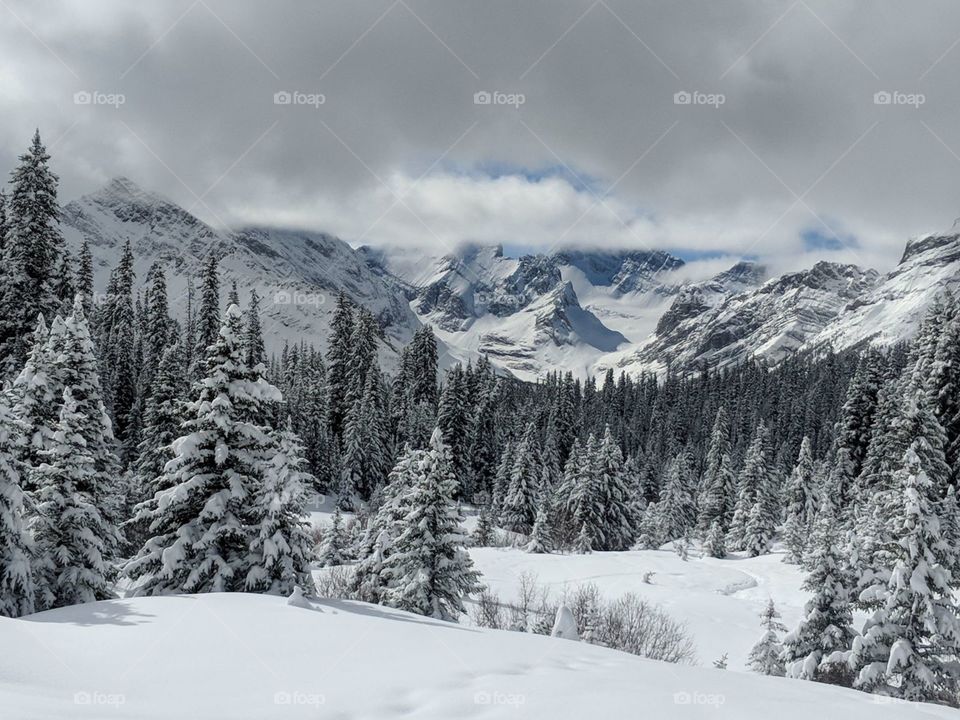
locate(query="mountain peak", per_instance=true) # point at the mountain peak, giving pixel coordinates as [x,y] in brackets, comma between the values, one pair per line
[938,242]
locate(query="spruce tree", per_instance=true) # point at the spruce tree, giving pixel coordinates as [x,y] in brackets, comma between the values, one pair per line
[333,548]
[676,501]
[280,547]
[815,649]
[766,657]
[754,480]
[907,643]
[17,591]
[520,501]
[715,499]
[253,333]
[429,570]
[32,252]
[541,540]
[72,537]
[715,543]
[200,524]
[801,504]
[207,323]
[619,531]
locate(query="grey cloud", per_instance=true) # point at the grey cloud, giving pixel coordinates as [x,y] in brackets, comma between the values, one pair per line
[399,78]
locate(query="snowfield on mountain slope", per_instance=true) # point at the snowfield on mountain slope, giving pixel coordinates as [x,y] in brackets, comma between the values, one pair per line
[243,656]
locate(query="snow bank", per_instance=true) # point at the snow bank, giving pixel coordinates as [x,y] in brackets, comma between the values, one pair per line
[243,656]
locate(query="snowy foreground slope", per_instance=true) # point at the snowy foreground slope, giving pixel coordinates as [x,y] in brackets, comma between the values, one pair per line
[248,656]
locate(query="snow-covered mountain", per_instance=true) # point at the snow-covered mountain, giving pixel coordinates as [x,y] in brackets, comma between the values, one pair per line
[577,310]
[537,313]
[298,275]
[893,308]
[708,325]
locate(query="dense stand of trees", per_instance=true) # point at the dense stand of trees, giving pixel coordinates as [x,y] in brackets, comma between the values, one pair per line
[175,452]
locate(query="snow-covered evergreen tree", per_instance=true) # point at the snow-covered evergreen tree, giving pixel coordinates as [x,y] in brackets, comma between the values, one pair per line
[717,491]
[541,537]
[801,502]
[71,535]
[334,546]
[429,570]
[483,533]
[815,649]
[17,591]
[676,500]
[520,502]
[766,657]
[755,480]
[281,548]
[207,322]
[201,524]
[32,253]
[715,544]
[910,644]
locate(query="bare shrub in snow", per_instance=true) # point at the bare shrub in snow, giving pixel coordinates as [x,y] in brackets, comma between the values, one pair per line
[337,583]
[488,611]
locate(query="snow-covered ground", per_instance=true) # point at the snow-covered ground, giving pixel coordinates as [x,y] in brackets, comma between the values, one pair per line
[718,600]
[243,656]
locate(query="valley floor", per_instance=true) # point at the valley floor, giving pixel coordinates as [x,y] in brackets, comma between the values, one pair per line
[250,656]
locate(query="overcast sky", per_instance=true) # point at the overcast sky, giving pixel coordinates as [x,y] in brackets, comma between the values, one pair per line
[783,153]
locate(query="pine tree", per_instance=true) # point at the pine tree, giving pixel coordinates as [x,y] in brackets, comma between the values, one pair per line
[36,395]
[483,533]
[370,580]
[73,364]
[162,422]
[907,644]
[715,544]
[207,322]
[281,548]
[716,494]
[429,570]
[618,526]
[541,540]
[754,479]
[117,342]
[676,501]
[453,421]
[766,657]
[157,333]
[253,333]
[333,548]
[32,251]
[71,535]
[365,454]
[520,502]
[17,590]
[201,524]
[815,649]
[338,362]
[801,504]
